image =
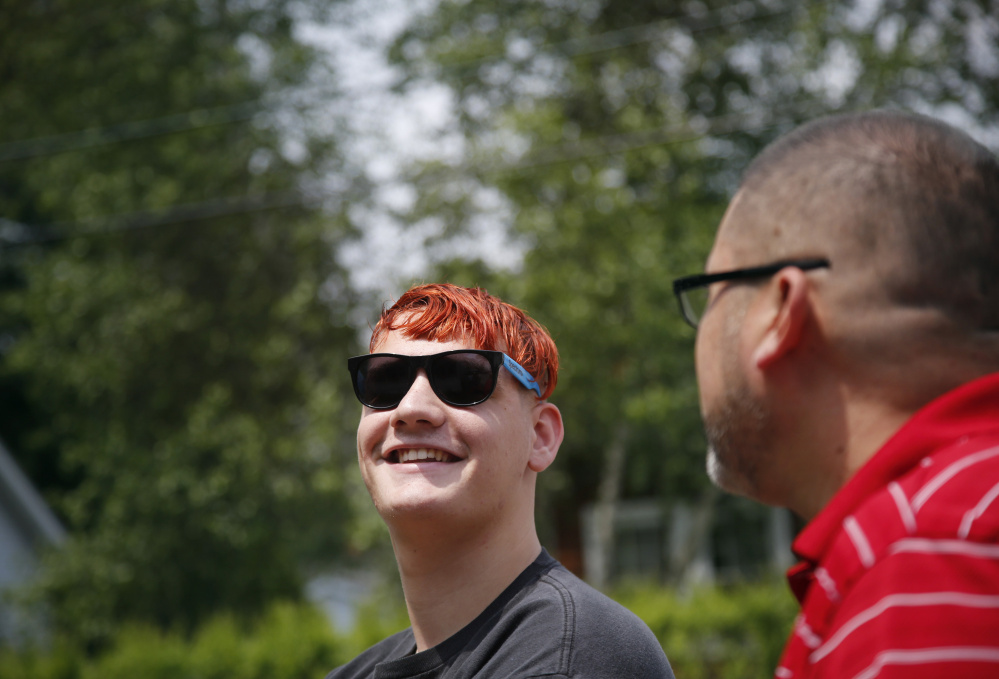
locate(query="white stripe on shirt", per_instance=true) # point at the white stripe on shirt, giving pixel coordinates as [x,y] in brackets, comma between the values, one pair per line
[904,508]
[925,656]
[860,543]
[928,546]
[976,512]
[949,472]
[827,583]
[804,630]
[962,599]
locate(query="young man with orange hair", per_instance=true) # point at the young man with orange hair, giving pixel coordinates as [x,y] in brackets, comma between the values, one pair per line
[455,428]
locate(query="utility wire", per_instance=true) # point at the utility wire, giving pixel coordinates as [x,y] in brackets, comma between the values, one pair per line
[23,234]
[129,131]
[607,145]
[235,113]
[192,212]
[19,234]
[616,39]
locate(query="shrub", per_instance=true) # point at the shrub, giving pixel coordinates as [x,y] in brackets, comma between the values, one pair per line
[709,633]
[56,663]
[713,632]
[290,641]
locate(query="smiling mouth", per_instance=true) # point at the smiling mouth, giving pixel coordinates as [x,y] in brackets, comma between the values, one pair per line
[421,455]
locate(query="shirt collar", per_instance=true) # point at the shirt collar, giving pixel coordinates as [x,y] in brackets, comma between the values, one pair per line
[971,409]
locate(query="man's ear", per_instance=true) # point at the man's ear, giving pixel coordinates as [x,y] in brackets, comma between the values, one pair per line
[548,434]
[790,307]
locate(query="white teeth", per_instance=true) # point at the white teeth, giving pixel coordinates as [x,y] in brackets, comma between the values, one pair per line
[416,454]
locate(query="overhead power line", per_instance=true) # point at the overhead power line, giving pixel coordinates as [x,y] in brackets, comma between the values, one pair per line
[129,131]
[607,145]
[235,113]
[25,234]
[623,37]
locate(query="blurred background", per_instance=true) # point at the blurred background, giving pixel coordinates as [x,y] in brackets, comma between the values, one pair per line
[204,204]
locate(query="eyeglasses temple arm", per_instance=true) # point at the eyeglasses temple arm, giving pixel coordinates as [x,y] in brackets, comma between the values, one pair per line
[521,374]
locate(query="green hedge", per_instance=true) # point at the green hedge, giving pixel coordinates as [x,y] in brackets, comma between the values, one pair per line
[292,641]
[713,633]
[726,633]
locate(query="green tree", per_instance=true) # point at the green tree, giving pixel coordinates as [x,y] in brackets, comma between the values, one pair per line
[615,133]
[174,319]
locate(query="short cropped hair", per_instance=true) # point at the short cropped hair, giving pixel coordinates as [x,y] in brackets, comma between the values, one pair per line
[442,312]
[921,197]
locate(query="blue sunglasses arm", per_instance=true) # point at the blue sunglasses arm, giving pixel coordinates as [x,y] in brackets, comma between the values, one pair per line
[521,374]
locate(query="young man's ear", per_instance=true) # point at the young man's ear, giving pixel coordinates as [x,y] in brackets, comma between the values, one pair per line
[788,308]
[548,434]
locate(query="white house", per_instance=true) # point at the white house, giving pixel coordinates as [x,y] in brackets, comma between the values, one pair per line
[27,526]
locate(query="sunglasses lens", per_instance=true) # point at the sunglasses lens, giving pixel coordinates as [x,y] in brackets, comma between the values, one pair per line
[463,379]
[382,381]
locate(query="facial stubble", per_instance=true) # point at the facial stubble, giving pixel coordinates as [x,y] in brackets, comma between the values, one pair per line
[737,424]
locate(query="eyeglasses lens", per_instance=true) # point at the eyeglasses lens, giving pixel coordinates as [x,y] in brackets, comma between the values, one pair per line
[695,302]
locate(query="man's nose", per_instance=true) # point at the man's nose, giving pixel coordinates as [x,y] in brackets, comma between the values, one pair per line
[420,404]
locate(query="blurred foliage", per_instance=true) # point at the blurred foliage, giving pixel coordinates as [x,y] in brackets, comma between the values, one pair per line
[174,322]
[735,633]
[713,633]
[290,641]
[611,135]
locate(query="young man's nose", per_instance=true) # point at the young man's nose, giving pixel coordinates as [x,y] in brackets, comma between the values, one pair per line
[420,404]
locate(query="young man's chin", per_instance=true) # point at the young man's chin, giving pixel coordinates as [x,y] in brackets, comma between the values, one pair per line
[421,493]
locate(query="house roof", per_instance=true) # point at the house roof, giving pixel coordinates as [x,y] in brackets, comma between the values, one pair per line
[23,503]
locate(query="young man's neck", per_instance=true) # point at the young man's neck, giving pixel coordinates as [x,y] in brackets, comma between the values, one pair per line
[448,582]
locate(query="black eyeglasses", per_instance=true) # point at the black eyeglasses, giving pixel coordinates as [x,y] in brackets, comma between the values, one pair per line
[465,377]
[692,291]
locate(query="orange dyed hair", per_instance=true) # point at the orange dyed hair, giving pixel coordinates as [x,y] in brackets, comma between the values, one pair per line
[441,312]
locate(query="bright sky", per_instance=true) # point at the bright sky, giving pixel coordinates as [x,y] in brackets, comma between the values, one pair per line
[390,130]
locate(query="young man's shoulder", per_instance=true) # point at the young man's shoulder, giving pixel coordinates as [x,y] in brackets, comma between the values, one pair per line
[398,645]
[599,637]
[548,623]
[585,610]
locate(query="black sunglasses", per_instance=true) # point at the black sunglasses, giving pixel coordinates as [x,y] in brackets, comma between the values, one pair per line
[692,291]
[465,377]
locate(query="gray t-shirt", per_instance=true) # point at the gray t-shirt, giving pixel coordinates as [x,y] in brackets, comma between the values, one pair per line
[547,623]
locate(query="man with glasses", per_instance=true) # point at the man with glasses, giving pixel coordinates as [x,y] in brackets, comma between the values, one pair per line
[848,361]
[455,428]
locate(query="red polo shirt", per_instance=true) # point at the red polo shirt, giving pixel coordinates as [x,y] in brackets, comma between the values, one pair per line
[899,573]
